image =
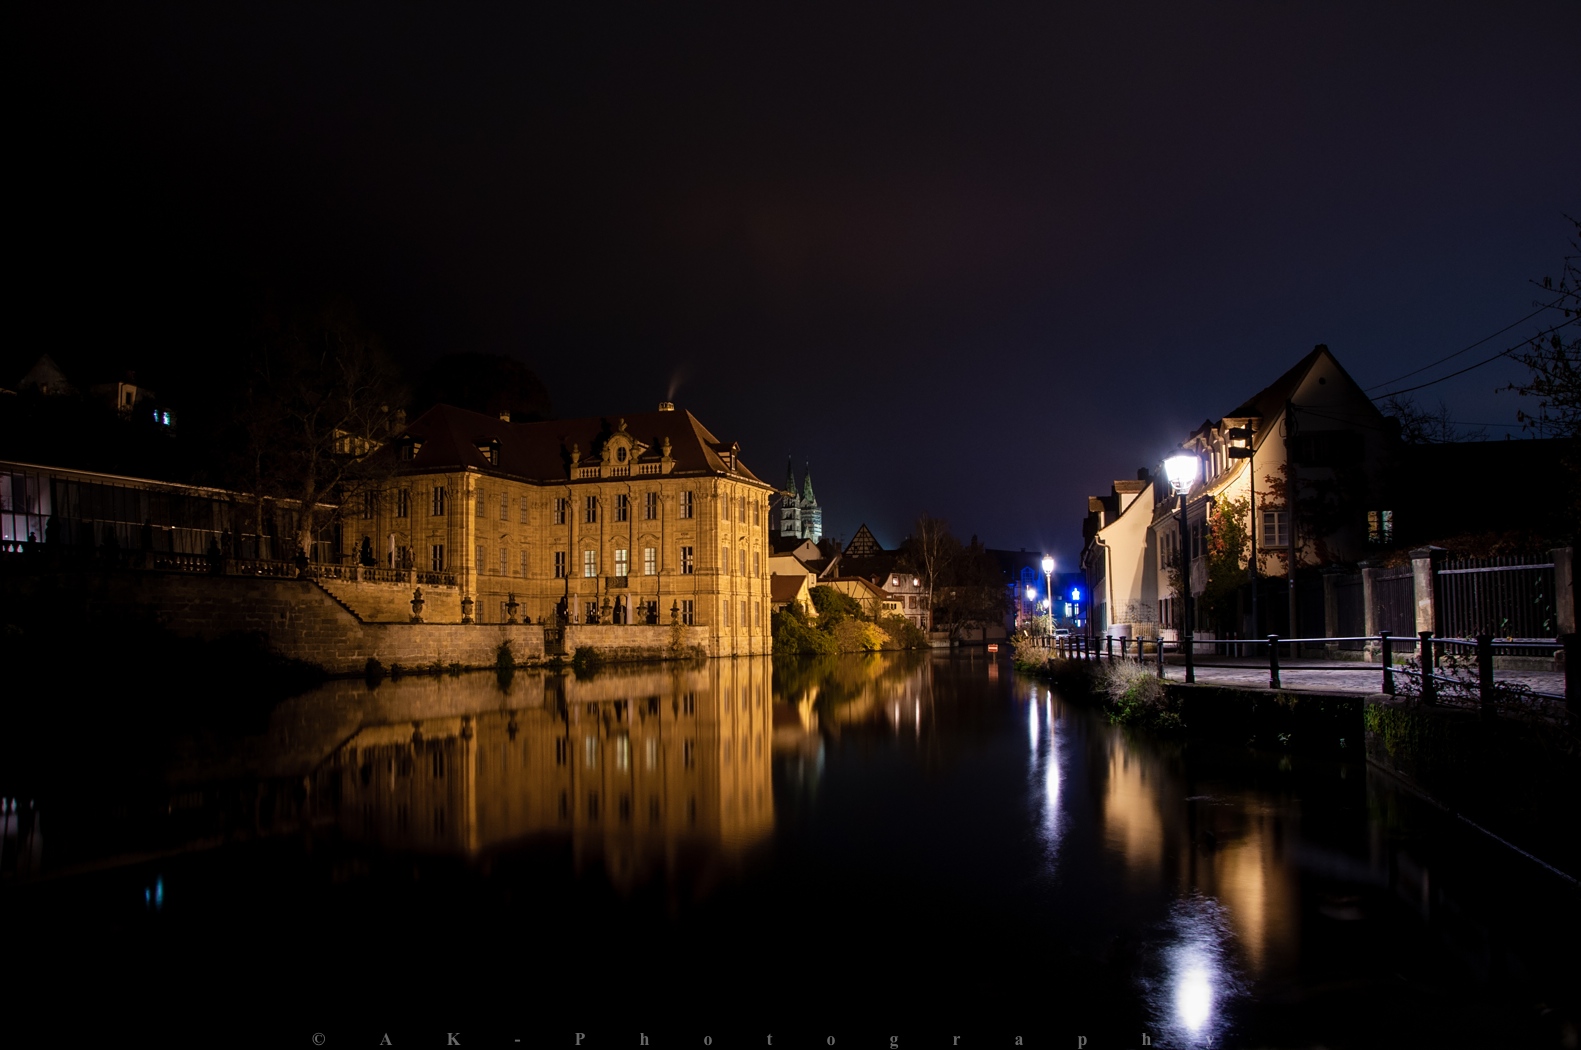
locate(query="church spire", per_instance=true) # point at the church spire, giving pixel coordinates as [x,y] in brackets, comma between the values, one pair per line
[790,476]
[806,484]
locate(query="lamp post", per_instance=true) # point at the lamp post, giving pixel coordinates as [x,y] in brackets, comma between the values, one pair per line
[1048,588]
[1182,471]
[1248,453]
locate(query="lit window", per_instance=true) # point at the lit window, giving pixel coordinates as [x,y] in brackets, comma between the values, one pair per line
[622,562]
[650,561]
[1380,526]
[590,563]
[1276,530]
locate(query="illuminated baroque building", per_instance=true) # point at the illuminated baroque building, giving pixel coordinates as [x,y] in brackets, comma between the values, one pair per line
[642,519]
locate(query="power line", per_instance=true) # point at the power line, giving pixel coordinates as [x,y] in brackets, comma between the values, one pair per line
[1485,361]
[1473,346]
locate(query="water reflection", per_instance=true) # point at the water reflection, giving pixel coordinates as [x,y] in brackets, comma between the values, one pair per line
[630,766]
[1195,975]
[1192,886]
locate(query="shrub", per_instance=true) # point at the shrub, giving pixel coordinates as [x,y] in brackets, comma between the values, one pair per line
[504,659]
[373,670]
[1136,696]
[793,635]
[854,636]
[586,660]
[833,606]
[903,633]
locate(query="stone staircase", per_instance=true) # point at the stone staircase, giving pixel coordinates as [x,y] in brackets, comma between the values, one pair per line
[392,602]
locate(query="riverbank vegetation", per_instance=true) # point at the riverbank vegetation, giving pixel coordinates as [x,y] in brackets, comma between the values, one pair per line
[841,626]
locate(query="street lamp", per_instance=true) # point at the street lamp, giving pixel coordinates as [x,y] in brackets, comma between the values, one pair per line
[1048,587]
[1032,597]
[1182,471]
[1248,453]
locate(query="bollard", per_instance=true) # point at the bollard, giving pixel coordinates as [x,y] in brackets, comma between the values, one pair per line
[1388,662]
[1111,648]
[1273,661]
[1424,657]
[1123,640]
[1485,672]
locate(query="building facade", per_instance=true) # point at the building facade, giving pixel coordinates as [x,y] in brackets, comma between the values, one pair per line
[643,519]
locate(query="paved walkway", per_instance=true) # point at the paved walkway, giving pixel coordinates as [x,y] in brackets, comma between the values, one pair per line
[1334,675]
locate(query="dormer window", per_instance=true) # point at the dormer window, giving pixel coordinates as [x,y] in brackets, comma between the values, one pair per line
[490,451]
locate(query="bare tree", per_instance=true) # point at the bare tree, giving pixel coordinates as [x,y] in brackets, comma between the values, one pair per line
[1428,426]
[931,550]
[1553,356]
[319,400]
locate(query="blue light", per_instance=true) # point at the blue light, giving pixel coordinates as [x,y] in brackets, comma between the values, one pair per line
[1075,594]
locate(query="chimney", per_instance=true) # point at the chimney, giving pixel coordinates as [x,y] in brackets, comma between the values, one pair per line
[666,406]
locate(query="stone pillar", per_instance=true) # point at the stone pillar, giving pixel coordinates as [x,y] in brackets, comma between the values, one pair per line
[1424,564]
[1330,608]
[1369,610]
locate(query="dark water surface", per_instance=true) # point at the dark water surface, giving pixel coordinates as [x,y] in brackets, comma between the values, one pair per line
[852,848]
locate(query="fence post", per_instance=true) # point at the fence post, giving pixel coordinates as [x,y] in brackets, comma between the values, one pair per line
[1369,598]
[1485,673]
[1273,661]
[1388,662]
[1190,643]
[1565,614]
[1424,656]
[1330,608]
[1160,652]
[1111,647]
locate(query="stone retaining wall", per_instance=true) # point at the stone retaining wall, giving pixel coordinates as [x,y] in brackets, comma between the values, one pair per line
[295,617]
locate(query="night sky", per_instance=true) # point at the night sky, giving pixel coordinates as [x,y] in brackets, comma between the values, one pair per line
[976,262]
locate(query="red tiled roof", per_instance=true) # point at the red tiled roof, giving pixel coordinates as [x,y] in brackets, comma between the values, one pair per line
[541,452]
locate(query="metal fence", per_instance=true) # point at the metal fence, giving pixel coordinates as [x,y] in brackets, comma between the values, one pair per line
[1510,597]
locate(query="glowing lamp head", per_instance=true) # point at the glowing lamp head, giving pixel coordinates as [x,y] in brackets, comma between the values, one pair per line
[1048,565]
[1182,471]
[1031,594]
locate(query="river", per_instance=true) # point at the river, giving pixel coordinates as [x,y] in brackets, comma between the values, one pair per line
[915,846]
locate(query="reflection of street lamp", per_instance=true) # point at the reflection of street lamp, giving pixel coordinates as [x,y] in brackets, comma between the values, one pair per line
[1048,587]
[1182,470]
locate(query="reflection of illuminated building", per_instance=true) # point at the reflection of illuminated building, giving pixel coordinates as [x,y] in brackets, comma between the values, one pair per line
[629,766]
